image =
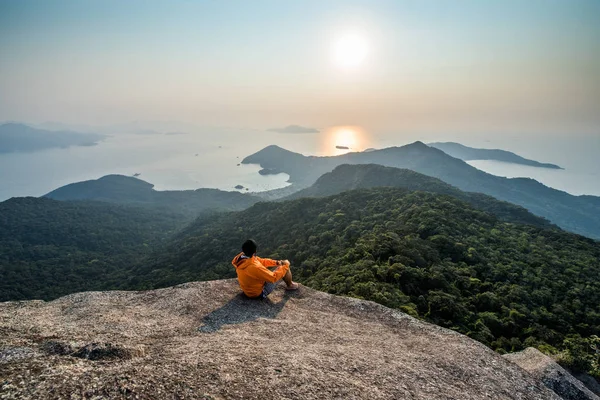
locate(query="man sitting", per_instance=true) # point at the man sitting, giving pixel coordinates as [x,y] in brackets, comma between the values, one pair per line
[255,279]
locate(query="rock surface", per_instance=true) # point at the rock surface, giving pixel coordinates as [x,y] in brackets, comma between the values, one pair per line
[555,377]
[205,340]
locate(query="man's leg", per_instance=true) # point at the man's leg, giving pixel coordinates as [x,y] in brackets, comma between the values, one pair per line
[267,289]
[287,278]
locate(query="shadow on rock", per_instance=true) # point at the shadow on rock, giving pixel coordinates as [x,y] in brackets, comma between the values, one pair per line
[103,351]
[241,309]
[91,351]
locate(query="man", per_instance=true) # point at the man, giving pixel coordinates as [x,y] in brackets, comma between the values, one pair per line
[255,279]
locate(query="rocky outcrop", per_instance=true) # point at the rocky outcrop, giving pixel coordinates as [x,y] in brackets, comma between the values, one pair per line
[205,340]
[555,377]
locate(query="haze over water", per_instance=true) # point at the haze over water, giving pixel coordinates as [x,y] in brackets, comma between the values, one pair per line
[170,161]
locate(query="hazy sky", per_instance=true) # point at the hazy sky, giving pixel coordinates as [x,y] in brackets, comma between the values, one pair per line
[483,66]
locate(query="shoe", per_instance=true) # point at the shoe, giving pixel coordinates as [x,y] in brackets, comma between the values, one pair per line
[293,286]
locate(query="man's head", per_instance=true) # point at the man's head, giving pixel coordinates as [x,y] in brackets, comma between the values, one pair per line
[249,247]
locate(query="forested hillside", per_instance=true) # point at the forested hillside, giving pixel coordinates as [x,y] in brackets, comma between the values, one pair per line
[51,248]
[363,176]
[433,256]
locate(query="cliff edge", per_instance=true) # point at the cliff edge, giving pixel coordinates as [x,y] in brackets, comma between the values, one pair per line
[555,377]
[204,340]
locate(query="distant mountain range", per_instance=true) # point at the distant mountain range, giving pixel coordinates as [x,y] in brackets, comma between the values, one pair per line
[23,138]
[364,176]
[131,127]
[470,153]
[129,190]
[126,190]
[579,214]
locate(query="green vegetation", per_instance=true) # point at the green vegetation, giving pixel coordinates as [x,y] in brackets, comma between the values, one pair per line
[364,176]
[577,355]
[50,248]
[506,285]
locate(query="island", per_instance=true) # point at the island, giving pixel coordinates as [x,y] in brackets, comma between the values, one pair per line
[15,137]
[239,187]
[270,171]
[294,129]
[466,153]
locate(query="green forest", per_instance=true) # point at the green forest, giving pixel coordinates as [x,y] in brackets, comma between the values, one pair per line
[432,256]
[50,248]
[364,176]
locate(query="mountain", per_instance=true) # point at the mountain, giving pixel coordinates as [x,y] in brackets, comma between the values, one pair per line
[203,341]
[470,153]
[129,190]
[59,126]
[131,127]
[51,248]
[363,176]
[22,138]
[579,214]
[509,286]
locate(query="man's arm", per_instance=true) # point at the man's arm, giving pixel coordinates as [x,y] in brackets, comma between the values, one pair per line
[267,262]
[262,273]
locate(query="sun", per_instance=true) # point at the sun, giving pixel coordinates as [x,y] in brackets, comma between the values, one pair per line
[345,138]
[338,140]
[349,50]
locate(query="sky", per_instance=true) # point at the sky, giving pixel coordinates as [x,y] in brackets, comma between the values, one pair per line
[413,65]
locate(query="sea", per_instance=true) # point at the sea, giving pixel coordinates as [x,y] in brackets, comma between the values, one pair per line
[211,158]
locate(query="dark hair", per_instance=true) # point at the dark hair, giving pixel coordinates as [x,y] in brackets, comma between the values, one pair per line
[249,247]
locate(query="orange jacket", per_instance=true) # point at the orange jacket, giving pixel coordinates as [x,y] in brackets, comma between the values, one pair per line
[252,273]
